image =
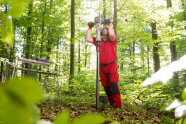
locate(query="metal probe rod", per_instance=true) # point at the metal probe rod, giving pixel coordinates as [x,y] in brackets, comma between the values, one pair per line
[98,40]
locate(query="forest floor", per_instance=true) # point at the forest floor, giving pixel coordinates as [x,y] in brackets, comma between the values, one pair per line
[50,110]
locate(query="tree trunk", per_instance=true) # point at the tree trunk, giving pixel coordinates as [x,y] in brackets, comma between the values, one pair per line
[104,11]
[173,51]
[142,57]
[115,20]
[172,44]
[115,17]
[12,50]
[156,57]
[42,39]
[51,3]
[169,3]
[29,32]
[148,60]
[85,55]
[1,74]
[79,57]
[133,50]
[49,45]
[57,57]
[175,80]
[72,42]
[130,51]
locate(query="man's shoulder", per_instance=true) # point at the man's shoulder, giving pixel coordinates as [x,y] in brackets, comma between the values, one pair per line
[115,40]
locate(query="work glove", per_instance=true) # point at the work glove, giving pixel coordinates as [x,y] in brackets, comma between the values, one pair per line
[107,21]
[90,24]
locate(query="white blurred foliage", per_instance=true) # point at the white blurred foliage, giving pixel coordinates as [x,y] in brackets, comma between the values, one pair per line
[180,107]
[180,111]
[175,104]
[166,73]
[44,122]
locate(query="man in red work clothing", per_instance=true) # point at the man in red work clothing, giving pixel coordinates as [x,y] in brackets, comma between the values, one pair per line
[108,66]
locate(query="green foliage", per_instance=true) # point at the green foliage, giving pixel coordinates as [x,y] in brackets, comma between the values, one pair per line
[25,92]
[63,118]
[182,121]
[17,7]
[10,9]
[184,94]
[89,118]
[17,99]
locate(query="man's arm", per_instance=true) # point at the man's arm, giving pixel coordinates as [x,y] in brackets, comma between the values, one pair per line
[88,37]
[111,32]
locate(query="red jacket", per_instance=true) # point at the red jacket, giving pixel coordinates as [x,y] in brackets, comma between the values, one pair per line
[107,50]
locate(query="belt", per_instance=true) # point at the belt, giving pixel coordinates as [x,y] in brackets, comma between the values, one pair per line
[103,65]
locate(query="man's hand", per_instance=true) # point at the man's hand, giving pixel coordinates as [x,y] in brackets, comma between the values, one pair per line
[88,37]
[90,24]
[111,30]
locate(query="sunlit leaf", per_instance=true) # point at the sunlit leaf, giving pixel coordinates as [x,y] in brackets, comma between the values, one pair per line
[18,7]
[182,121]
[8,38]
[11,112]
[63,118]
[16,101]
[89,119]
[184,94]
[35,115]
[26,89]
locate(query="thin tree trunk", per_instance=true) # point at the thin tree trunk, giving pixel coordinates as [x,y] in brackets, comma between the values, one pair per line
[133,50]
[173,50]
[142,57]
[57,57]
[130,51]
[49,45]
[148,60]
[72,43]
[1,74]
[42,39]
[104,11]
[12,50]
[79,57]
[172,44]
[156,57]
[85,55]
[115,20]
[28,39]
[169,3]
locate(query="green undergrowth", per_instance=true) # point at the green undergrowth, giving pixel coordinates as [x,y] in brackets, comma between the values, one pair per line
[17,104]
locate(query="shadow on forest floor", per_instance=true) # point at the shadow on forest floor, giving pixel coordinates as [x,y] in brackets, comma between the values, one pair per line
[49,111]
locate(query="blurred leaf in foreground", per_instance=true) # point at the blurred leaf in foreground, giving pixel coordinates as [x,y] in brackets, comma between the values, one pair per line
[17,98]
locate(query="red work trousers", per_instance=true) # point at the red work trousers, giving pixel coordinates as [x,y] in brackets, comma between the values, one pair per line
[109,79]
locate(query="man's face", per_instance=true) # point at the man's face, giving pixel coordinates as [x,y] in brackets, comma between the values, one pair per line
[105,35]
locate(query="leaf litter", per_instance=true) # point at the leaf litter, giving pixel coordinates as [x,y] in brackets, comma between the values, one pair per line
[50,110]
